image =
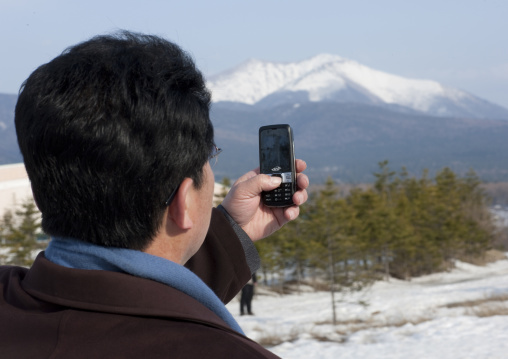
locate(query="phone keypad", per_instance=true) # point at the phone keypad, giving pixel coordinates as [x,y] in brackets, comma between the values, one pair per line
[283,193]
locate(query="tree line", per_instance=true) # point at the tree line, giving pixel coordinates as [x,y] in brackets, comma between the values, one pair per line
[345,239]
[401,226]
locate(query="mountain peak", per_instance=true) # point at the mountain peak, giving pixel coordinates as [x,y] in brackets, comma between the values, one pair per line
[328,77]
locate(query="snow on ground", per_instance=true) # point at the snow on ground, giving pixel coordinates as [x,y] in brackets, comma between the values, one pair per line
[428,317]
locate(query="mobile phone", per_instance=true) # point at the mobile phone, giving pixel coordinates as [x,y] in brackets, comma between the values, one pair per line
[277,158]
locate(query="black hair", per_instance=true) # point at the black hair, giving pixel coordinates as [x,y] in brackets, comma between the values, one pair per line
[108,130]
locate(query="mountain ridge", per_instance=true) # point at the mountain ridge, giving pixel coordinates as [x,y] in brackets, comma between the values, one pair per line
[333,78]
[343,125]
[346,140]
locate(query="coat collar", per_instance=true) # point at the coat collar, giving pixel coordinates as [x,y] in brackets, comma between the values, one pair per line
[113,292]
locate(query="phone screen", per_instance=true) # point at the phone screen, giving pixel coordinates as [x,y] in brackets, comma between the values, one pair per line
[275,150]
[277,159]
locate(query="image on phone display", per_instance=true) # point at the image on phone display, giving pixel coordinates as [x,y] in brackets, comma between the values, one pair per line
[276,157]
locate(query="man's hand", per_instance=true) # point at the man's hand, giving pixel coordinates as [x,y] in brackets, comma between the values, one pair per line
[244,205]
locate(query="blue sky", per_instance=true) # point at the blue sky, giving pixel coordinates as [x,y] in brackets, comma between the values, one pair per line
[461,44]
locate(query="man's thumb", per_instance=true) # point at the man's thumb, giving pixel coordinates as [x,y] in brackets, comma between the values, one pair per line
[271,182]
[262,182]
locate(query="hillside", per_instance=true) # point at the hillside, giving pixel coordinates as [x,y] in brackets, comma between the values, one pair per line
[459,314]
[346,141]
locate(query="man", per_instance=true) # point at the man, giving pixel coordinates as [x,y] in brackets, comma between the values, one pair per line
[247,295]
[116,139]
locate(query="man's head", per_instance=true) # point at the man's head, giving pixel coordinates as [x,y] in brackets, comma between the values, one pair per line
[107,131]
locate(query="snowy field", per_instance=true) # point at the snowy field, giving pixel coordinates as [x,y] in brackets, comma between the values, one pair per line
[459,314]
[455,315]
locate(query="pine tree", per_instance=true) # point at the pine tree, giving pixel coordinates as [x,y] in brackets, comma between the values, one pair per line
[6,228]
[20,234]
[332,232]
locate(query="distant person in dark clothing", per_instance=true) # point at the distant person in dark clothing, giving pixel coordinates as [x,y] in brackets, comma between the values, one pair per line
[247,295]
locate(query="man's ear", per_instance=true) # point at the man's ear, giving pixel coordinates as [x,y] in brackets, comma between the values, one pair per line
[178,209]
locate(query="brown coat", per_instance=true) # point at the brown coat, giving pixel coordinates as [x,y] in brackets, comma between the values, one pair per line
[51,311]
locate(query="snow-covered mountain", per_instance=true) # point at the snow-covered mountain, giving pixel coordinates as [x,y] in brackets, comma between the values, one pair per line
[332,78]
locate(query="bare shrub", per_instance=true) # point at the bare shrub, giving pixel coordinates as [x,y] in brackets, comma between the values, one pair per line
[478,302]
[336,337]
[347,327]
[489,256]
[403,321]
[489,306]
[268,340]
[273,338]
[489,310]
[319,286]
[355,321]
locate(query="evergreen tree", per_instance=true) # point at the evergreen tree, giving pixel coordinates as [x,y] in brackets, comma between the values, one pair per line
[20,234]
[333,233]
[6,228]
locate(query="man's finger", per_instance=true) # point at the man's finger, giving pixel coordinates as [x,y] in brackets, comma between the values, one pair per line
[302,181]
[258,183]
[301,165]
[290,213]
[267,183]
